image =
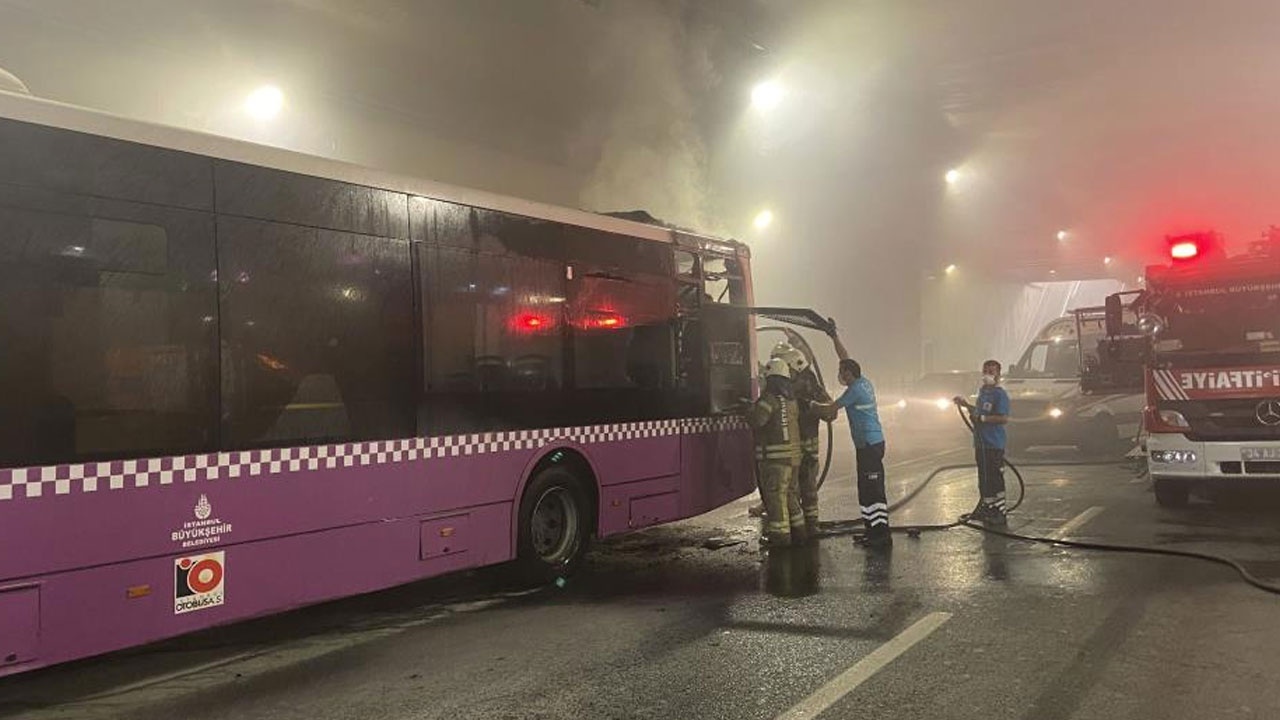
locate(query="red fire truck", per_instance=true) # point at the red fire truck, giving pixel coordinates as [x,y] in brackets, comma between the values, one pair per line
[1206,349]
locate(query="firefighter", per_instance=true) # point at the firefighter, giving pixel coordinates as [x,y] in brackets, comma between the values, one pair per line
[775,418]
[809,393]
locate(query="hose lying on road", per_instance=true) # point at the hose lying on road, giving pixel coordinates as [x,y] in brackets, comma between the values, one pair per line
[855,527]
[1140,549]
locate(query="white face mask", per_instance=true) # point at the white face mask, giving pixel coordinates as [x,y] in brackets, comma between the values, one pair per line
[988,380]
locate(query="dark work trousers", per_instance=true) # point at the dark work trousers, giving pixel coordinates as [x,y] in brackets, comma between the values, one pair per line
[990,476]
[871,497]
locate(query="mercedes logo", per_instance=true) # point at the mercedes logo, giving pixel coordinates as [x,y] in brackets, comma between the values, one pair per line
[1268,412]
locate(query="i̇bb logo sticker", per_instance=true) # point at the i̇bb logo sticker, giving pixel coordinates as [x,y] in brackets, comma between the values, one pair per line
[198,582]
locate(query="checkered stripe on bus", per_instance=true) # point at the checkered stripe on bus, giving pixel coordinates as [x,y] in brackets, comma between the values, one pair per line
[119,474]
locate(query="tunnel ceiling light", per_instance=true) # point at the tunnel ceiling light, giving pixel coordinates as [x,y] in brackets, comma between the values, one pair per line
[766,95]
[763,219]
[1062,235]
[265,102]
[950,269]
[1106,260]
[953,176]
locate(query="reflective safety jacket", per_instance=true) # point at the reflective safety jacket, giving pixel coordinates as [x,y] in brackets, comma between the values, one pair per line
[777,429]
[809,391]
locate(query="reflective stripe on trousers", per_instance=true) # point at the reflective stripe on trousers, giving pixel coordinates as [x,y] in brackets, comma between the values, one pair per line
[875,514]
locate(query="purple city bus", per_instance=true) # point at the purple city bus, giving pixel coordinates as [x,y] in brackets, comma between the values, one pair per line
[236,380]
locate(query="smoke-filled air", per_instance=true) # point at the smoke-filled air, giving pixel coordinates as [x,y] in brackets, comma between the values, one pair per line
[913,168]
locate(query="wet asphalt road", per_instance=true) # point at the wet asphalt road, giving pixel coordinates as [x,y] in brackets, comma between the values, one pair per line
[675,623]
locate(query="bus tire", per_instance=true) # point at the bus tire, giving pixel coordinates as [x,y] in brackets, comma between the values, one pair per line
[1172,492]
[556,520]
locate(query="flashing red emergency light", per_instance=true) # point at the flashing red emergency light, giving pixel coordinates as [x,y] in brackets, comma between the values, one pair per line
[1190,246]
[1184,250]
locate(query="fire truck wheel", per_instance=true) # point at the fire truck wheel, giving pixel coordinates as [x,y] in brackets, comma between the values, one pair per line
[1171,492]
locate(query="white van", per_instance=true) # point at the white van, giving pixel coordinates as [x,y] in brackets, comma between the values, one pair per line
[1046,403]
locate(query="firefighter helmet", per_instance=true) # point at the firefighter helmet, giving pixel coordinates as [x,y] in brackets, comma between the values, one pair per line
[794,357]
[777,366]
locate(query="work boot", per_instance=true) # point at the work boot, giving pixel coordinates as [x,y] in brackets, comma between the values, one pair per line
[995,517]
[879,538]
[979,513]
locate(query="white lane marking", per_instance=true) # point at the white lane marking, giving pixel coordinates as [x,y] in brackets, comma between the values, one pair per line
[1075,522]
[861,671]
[1139,479]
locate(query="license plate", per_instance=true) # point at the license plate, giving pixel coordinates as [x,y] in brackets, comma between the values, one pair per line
[1259,453]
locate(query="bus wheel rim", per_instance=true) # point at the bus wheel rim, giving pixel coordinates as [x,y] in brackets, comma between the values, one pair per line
[553,525]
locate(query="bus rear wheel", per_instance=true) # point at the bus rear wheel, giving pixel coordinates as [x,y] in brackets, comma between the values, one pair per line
[555,526]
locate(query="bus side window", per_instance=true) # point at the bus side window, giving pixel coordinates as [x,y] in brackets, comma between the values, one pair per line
[723,280]
[318,325]
[493,323]
[106,329]
[623,334]
[688,281]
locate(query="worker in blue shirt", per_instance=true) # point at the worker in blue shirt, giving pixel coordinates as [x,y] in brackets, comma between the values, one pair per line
[859,402]
[989,416]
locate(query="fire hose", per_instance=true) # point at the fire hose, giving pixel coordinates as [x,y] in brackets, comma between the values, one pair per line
[853,527]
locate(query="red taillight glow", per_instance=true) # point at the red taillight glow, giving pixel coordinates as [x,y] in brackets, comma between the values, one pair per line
[1184,250]
[601,320]
[531,322]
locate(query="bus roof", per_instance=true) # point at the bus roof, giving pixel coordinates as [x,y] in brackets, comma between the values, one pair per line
[30,109]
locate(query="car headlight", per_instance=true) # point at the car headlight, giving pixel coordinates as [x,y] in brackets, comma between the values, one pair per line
[901,404]
[1181,457]
[1055,413]
[942,403]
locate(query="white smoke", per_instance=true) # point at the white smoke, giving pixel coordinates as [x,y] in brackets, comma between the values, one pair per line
[642,142]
